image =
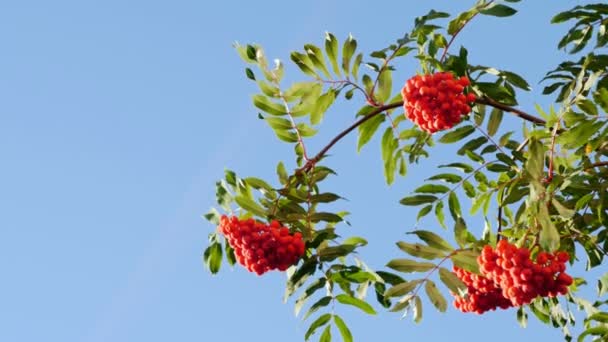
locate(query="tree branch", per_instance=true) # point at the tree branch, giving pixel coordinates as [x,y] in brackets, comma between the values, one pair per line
[312,161]
[490,102]
[598,164]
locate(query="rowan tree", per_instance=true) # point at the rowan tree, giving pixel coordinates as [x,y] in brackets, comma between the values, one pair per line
[546,185]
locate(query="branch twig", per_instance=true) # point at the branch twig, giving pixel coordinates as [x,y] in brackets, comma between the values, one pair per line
[528,117]
[312,161]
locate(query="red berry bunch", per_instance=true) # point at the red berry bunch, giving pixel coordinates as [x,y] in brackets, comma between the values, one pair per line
[483,294]
[262,247]
[436,102]
[510,275]
[521,279]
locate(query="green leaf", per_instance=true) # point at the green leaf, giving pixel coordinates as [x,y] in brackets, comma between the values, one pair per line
[602,285]
[418,199]
[479,202]
[580,134]
[250,206]
[494,123]
[321,106]
[316,57]
[601,98]
[402,288]
[325,197]
[331,49]
[417,309]
[516,80]
[334,252]
[258,183]
[448,177]
[469,189]
[435,296]
[458,23]
[594,331]
[467,260]
[299,276]
[499,11]
[472,145]
[304,63]
[250,74]
[389,145]
[356,64]
[348,49]
[462,166]
[343,328]
[457,134]
[367,130]
[312,288]
[433,240]
[599,317]
[432,189]
[522,317]
[327,217]
[282,173]
[278,123]
[268,90]
[452,281]
[440,215]
[213,216]
[264,104]
[420,250]
[319,322]
[358,303]
[213,257]
[326,335]
[461,234]
[409,266]
[536,161]
[454,206]
[355,240]
[424,211]
[562,209]
[322,302]
[286,136]
[587,106]
[385,86]
[549,236]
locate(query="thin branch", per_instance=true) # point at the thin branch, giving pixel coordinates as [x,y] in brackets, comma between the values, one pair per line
[598,164]
[312,161]
[369,99]
[549,177]
[447,47]
[528,117]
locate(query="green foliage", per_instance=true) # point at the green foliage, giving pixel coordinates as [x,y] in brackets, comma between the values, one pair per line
[545,188]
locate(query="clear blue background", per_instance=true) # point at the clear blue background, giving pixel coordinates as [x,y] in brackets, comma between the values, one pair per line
[117,117]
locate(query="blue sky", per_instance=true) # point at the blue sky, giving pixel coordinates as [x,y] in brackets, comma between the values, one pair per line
[117,117]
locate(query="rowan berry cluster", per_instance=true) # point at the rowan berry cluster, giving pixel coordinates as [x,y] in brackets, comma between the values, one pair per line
[482,294]
[436,102]
[509,276]
[262,247]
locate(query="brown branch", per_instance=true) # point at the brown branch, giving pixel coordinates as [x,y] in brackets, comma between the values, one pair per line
[490,102]
[598,164]
[312,161]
